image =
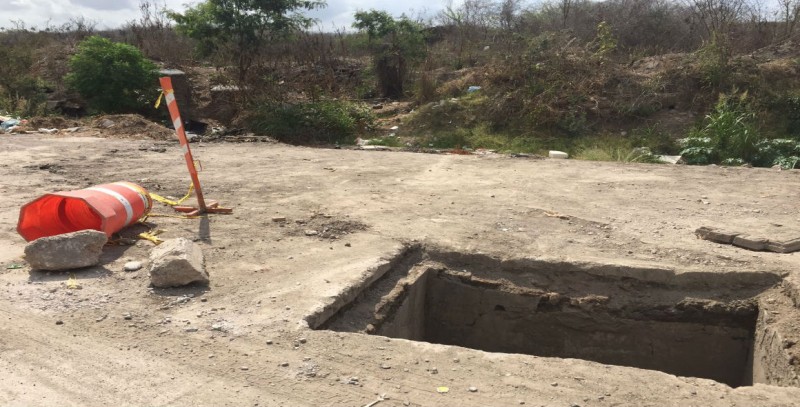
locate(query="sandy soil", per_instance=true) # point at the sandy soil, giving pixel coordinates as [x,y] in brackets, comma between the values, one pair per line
[244,340]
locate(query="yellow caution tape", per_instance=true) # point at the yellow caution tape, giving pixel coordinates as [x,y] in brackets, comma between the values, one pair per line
[160,96]
[150,237]
[72,283]
[164,215]
[169,202]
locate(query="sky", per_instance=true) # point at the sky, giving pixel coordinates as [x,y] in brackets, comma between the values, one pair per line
[115,13]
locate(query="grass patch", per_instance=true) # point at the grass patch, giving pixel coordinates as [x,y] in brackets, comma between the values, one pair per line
[613,148]
[479,137]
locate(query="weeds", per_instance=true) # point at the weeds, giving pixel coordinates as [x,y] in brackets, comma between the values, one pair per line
[728,136]
[321,122]
[613,148]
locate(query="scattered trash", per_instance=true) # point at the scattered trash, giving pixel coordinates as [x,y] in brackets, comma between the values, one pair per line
[375,148]
[473,89]
[48,131]
[132,266]
[442,390]
[394,128]
[14,266]
[7,125]
[377,106]
[151,236]
[558,154]
[671,159]
[382,397]
[72,283]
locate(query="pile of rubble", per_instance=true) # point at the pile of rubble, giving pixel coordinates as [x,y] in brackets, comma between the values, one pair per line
[173,263]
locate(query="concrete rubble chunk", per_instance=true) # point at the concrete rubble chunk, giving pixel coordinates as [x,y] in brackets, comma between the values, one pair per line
[787,246]
[750,243]
[177,262]
[67,251]
[716,235]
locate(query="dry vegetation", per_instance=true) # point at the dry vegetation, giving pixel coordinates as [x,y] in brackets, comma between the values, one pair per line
[593,78]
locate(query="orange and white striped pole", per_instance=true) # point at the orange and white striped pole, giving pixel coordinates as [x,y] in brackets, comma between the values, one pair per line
[169,95]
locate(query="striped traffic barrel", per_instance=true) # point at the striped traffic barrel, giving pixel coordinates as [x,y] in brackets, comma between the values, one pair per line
[107,208]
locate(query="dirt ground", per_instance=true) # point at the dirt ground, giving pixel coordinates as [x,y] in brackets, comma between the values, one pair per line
[245,340]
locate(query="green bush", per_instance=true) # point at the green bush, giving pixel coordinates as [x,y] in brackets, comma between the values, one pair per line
[783,152]
[112,77]
[728,137]
[321,122]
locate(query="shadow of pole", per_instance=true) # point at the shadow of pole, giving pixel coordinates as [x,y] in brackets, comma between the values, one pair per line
[205,229]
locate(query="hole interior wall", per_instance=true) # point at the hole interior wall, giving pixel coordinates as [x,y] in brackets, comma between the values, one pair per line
[442,309]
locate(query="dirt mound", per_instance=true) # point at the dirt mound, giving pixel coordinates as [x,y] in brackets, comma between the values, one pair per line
[131,126]
[52,122]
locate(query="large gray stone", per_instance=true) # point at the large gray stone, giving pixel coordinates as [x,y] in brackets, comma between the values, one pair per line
[67,251]
[177,262]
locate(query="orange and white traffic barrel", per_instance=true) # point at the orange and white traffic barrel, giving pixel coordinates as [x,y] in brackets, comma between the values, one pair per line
[107,208]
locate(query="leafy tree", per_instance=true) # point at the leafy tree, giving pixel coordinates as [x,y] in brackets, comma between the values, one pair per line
[245,25]
[112,77]
[397,45]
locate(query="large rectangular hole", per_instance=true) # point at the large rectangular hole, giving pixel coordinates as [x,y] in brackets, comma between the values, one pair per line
[695,338]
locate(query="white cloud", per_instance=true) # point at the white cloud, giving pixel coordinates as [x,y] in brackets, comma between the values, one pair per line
[115,13]
[339,13]
[40,13]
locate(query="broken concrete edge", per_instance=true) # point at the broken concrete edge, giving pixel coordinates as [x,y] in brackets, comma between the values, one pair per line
[715,235]
[385,264]
[747,242]
[410,255]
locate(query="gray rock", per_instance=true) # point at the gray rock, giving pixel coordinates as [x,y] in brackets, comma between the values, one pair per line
[67,251]
[177,262]
[132,266]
